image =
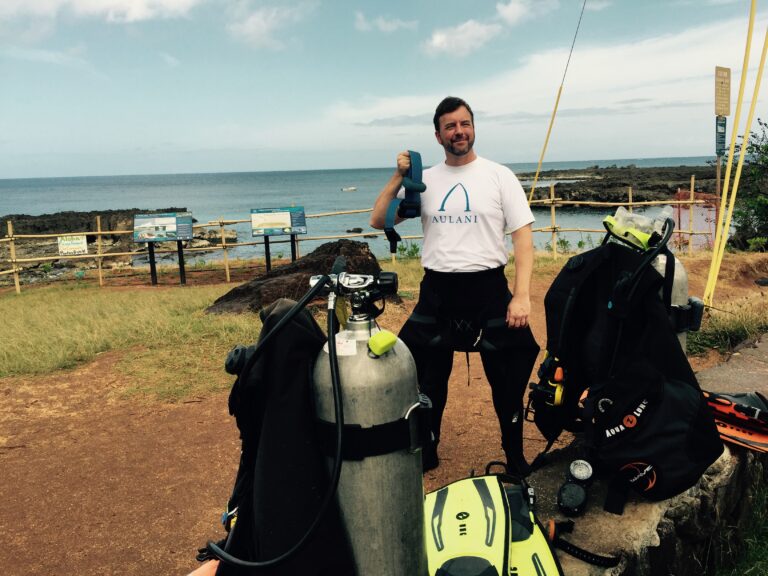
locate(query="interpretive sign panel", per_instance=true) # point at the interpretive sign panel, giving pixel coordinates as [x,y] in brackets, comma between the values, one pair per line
[72,245]
[720,135]
[162,227]
[277,221]
[722,91]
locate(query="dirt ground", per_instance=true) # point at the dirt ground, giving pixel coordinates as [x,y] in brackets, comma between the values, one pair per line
[95,484]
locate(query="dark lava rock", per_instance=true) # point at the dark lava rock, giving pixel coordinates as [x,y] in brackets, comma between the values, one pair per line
[292,280]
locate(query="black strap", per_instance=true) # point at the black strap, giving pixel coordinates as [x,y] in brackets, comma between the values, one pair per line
[616,498]
[576,551]
[358,443]
[408,207]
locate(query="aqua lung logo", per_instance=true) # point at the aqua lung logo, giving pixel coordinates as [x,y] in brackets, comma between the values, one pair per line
[640,474]
[466,219]
[629,421]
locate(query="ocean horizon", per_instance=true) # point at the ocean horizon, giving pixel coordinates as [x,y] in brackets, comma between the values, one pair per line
[232,196]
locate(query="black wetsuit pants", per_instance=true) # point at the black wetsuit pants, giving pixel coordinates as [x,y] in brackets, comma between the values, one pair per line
[466,311]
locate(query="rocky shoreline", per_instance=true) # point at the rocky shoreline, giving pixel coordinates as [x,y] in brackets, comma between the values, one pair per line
[611,184]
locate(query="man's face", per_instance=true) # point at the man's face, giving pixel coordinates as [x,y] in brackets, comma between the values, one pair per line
[456,134]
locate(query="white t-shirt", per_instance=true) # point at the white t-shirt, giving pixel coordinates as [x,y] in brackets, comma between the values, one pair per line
[464,213]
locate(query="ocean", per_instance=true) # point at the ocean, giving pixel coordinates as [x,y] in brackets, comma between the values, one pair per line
[232,196]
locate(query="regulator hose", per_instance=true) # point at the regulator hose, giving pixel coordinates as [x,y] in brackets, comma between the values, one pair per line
[217,551]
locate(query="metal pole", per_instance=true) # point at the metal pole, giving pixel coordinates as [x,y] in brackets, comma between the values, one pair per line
[152,265]
[267,256]
[182,271]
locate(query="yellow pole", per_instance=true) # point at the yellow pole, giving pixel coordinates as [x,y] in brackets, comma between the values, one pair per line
[743,154]
[546,141]
[690,217]
[719,231]
[557,102]
[12,248]
[98,249]
[554,223]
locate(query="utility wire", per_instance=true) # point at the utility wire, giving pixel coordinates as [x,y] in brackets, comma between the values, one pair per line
[557,102]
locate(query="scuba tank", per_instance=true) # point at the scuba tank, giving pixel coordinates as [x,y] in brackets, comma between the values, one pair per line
[380,495]
[380,492]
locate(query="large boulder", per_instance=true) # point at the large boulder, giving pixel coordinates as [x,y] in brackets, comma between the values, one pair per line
[292,280]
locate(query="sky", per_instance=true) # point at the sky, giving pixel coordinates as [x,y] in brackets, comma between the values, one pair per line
[103,87]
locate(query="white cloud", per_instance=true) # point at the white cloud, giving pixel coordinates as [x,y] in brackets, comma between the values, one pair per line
[383,24]
[258,28]
[598,5]
[461,40]
[517,11]
[111,10]
[70,59]
[170,61]
[619,101]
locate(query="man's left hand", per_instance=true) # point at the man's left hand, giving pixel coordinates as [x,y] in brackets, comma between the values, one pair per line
[518,311]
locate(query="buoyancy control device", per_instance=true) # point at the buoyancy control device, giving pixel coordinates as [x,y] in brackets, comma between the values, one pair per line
[286,515]
[616,371]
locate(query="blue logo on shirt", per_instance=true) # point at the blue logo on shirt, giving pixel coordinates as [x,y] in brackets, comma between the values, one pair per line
[468,219]
[466,197]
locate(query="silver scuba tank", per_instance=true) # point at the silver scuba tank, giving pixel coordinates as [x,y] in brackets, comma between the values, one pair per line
[381,497]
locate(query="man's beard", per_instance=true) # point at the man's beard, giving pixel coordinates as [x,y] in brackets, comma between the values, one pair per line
[453,149]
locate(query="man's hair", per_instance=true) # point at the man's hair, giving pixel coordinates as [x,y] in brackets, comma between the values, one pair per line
[448,105]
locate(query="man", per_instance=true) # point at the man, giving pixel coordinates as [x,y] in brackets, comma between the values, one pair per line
[464,300]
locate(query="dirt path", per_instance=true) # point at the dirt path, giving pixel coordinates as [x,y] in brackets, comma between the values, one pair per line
[95,484]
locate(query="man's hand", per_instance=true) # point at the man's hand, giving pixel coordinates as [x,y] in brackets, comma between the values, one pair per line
[389,192]
[403,163]
[518,311]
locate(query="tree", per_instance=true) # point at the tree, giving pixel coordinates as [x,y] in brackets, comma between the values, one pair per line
[750,216]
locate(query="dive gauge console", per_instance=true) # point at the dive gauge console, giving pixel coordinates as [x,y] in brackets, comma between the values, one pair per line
[572,496]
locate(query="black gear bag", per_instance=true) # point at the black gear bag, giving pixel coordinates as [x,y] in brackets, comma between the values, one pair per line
[615,371]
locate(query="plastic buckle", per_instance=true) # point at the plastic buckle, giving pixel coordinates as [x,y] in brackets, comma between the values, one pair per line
[228,518]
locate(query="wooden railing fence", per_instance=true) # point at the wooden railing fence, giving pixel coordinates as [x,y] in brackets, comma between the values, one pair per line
[17,264]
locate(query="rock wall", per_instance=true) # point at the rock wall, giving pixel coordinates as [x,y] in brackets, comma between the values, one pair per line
[687,535]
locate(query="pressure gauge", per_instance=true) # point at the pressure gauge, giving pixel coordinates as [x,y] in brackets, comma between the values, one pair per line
[580,471]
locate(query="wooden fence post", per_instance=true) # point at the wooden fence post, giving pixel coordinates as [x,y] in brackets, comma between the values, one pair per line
[98,250]
[552,213]
[12,249]
[630,199]
[224,247]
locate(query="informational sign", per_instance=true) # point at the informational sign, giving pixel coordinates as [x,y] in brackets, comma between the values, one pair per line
[720,135]
[72,245]
[277,221]
[722,91]
[162,227]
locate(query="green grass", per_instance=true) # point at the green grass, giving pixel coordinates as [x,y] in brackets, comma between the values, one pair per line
[728,325]
[172,348]
[753,553]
